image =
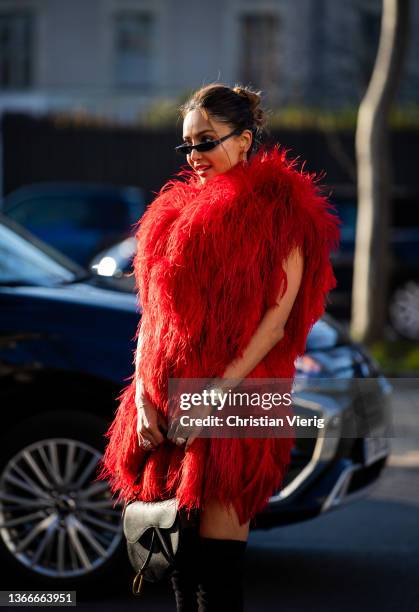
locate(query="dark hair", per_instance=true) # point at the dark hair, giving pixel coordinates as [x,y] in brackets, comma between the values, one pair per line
[239,106]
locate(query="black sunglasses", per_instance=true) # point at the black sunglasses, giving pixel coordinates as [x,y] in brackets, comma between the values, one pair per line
[186,149]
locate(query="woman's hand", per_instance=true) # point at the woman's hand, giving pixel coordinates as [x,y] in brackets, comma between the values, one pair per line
[186,434]
[150,423]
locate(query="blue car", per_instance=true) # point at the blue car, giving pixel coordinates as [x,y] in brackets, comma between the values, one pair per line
[78,219]
[66,351]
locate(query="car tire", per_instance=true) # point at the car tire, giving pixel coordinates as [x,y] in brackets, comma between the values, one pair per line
[80,542]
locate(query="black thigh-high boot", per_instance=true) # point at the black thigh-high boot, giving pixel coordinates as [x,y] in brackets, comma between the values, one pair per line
[221,568]
[184,577]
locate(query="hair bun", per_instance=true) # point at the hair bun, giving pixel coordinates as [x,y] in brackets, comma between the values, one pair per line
[254,100]
[238,106]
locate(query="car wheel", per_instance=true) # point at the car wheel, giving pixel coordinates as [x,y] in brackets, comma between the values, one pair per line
[57,526]
[404,310]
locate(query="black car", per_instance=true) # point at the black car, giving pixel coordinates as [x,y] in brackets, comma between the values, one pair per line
[66,351]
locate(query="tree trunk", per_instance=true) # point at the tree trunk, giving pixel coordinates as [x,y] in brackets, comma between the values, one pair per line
[372,248]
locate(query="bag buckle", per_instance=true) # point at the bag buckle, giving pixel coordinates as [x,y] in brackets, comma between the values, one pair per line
[138,582]
[140,575]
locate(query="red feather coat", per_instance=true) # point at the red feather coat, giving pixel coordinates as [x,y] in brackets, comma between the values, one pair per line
[207,266]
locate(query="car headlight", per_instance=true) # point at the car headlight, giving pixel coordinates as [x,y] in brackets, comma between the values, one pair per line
[106,267]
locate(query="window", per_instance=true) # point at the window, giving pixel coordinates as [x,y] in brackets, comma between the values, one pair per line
[134,36]
[75,225]
[259,53]
[22,261]
[16,33]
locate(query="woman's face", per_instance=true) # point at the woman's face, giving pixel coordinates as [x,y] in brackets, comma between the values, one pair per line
[199,126]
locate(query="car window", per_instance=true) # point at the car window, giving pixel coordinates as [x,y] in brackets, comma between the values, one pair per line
[50,211]
[114,214]
[98,212]
[22,262]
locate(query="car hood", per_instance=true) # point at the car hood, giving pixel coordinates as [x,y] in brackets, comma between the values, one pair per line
[81,293]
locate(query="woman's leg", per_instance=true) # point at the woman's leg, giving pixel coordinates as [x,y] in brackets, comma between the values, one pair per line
[184,577]
[223,544]
[218,521]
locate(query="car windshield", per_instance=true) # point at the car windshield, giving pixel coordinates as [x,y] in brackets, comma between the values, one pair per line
[25,260]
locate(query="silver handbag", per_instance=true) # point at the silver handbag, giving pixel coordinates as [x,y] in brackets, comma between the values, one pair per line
[152,531]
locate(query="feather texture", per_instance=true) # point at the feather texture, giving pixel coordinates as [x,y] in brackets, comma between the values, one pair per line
[209,262]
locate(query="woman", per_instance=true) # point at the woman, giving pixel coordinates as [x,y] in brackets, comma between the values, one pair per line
[232,269]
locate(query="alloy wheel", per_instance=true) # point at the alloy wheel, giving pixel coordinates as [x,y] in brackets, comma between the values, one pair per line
[53,518]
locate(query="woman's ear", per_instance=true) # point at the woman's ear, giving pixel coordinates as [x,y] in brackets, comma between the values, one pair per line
[246,136]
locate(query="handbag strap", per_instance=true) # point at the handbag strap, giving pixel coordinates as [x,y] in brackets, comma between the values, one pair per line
[164,545]
[140,575]
[138,579]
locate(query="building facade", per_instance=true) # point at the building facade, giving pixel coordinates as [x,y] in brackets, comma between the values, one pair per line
[115,57]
